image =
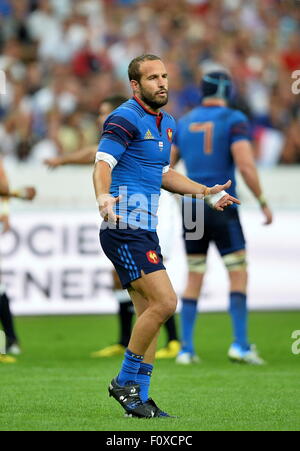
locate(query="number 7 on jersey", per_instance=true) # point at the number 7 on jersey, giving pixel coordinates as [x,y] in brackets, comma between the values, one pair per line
[208,129]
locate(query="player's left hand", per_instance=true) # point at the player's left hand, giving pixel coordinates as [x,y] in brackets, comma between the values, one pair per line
[220,203]
[4,224]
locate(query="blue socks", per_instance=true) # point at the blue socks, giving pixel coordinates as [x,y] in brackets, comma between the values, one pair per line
[188,319]
[239,316]
[135,371]
[130,368]
[143,379]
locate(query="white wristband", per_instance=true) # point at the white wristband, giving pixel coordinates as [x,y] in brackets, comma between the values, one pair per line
[212,199]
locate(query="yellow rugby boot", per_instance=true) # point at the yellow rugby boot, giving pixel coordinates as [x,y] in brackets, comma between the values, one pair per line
[170,351]
[109,351]
[7,359]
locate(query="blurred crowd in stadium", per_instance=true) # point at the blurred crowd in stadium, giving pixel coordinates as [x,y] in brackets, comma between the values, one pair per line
[62,57]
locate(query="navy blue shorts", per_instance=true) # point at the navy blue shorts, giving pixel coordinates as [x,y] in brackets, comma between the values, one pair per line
[222,228]
[131,252]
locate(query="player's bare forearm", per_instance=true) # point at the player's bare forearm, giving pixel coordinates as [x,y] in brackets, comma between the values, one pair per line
[250,175]
[4,186]
[215,196]
[174,182]
[243,157]
[4,192]
[102,178]
[81,157]
[251,179]
[25,193]
[84,156]
[102,183]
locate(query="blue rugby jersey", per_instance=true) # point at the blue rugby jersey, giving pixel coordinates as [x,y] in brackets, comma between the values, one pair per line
[204,138]
[138,145]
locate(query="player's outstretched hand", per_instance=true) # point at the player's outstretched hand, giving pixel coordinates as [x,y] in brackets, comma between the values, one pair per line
[219,199]
[106,204]
[53,163]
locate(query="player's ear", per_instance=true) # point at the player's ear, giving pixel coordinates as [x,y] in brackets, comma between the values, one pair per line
[134,85]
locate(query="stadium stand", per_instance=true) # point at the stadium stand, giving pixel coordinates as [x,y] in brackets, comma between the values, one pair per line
[62,58]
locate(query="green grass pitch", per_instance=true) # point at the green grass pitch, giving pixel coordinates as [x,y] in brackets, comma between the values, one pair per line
[56,385]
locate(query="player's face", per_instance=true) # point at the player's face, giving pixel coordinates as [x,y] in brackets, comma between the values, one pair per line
[153,86]
[104,111]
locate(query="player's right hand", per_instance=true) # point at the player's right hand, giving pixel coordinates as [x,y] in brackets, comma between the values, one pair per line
[106,204]
[53,163]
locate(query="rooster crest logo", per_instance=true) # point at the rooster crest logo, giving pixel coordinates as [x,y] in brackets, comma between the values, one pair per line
[170,134]
[153,257]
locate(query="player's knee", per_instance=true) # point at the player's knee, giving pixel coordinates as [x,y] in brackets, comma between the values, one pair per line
[170,307]
[166,308]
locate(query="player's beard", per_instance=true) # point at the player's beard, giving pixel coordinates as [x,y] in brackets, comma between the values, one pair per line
[152,100]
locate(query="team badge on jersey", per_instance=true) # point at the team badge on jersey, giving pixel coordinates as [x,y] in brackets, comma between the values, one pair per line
[170,134]
[153,257]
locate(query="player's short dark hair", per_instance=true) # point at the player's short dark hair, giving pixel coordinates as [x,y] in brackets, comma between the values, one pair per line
[134,67]
[115,101]
[216,84]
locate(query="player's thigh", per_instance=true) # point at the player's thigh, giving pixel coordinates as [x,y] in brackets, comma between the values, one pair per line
[156,287]
[227,232]
[140,302]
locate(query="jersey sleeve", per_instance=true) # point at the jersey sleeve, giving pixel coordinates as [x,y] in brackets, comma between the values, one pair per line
[240,128]
[118,131]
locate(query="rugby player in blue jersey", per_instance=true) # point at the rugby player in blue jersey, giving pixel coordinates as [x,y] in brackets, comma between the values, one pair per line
[132,165]
[125,313]
[213,140]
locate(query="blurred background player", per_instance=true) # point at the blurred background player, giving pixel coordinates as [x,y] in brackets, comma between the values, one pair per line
[6,317]
[213,140]
[167,215]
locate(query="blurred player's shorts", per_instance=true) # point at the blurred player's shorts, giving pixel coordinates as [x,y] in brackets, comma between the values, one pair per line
[224,229]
